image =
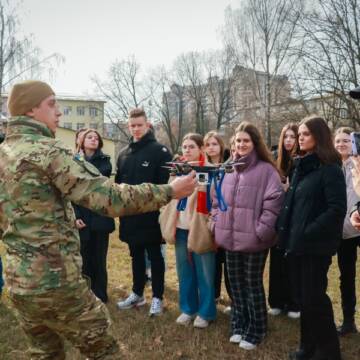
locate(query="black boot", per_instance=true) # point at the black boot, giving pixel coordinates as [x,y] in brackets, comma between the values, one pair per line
[301,354]
[348,327]
[319,356]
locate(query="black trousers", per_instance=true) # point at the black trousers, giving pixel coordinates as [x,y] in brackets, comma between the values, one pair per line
[220,259]
[283,292]
[347,256]
[317,326]
[137,253]
[93,249]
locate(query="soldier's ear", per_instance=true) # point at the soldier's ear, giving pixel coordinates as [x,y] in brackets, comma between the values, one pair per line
[30,113]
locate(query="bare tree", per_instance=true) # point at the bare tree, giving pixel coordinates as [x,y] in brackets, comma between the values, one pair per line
[221,81]
[190,75]
[167,101]
[261,34]
[331,55]
[123,90]
[19,58]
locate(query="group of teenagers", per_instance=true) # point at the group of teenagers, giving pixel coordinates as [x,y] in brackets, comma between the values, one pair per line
[293,203]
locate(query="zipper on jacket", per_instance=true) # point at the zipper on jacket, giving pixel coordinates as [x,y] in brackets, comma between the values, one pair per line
[232,214]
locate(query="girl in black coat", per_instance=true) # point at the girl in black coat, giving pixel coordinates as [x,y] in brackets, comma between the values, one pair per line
[94,229]
[281,297]
[310,229]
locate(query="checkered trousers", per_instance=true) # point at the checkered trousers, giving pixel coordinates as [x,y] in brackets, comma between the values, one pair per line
[249,315]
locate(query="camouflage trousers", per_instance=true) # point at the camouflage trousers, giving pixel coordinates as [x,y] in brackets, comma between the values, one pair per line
[73,313]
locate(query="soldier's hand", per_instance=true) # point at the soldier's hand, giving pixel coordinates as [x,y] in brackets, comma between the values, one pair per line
[355,220]
[79,224]
[184,186]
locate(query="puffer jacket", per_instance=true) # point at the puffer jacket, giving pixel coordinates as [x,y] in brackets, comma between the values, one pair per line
[254,195]
[143,161]
[352,198]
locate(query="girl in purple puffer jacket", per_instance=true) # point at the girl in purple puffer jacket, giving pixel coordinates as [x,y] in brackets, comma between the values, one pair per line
[254,195]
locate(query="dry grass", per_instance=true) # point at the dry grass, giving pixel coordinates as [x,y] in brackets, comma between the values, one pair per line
[142,337]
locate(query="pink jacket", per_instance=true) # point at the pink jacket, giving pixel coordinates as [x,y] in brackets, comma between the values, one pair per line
[254,195]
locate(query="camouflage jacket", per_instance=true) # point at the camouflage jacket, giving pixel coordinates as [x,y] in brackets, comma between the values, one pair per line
[39,177]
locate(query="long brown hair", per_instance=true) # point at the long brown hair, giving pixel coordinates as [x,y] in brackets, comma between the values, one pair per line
[324,146]
[78,132]
[285,158]
[217,137]
[199,141]
[259,144]
[88,131]
[196,138]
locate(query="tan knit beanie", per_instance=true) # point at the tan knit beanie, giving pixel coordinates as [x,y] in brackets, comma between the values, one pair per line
[26,95]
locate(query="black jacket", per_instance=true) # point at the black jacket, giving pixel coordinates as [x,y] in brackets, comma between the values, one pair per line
[312,217]
[93,221]
[141,162]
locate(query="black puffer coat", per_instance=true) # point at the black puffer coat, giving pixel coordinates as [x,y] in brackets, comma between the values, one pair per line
[312,217]
[140,162]
[93,221]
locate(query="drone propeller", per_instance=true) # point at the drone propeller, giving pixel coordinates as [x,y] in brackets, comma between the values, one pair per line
[235,163]
[182,162]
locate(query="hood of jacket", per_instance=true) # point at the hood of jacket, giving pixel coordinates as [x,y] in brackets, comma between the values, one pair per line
[147,138]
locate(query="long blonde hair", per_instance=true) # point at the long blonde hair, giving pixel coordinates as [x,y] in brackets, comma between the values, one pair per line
[215,135]
[259,144]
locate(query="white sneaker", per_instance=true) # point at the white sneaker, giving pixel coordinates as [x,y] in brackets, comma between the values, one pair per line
[274,311]
[156,307]
[293,314]
[200,323]
[227,310]
[235,339]
[247,345]
[131,301]
[184,319]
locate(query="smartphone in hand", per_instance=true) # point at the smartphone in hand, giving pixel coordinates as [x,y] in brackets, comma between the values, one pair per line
[355,143]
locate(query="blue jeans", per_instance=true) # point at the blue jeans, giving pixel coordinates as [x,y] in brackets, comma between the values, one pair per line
[196,274]
[1,277]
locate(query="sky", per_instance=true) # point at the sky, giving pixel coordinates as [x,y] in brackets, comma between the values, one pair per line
[91,34]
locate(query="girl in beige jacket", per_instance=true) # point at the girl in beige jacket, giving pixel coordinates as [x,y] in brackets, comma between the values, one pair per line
[194,247]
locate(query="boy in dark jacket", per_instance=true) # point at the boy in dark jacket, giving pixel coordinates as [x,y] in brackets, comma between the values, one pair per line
[143,160]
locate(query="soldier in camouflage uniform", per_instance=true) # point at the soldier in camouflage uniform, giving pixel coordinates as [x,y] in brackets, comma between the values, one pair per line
[39,178]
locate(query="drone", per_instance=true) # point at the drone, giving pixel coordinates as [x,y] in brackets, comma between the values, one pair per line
[183,168]
[207,175]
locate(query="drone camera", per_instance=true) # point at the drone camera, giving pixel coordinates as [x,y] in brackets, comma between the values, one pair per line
[202,178]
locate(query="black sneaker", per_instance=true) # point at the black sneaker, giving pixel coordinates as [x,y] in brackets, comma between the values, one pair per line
[347,328]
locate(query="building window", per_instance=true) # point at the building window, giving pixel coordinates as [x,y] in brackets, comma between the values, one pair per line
[343,113]
[94,126]
[68,125]
[80,126]
[67,110]
[80,110]
[93,111]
